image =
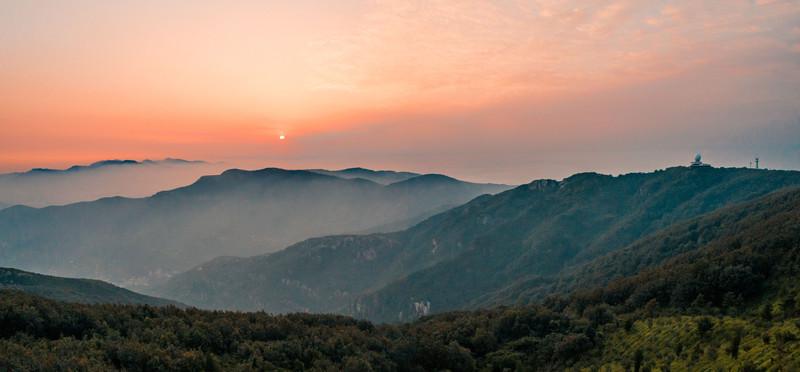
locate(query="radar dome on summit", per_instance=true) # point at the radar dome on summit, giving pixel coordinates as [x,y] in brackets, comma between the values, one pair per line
[698,162]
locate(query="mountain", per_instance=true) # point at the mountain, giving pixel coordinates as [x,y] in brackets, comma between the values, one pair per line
[460,258]
[720,291]
[41,187]
[750,250]
[537,232]
[133,242]
[383,177]
[74,290]
[732,232]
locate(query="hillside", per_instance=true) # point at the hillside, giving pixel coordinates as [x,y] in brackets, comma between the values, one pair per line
[727,298]
[458,258]
[720,230]
[38,334]
[74,290]
[535,234]
[134,242]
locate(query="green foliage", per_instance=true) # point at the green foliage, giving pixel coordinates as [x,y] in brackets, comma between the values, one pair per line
[736,341]
[672,342]
[638,359]
[40,334]
[704,326]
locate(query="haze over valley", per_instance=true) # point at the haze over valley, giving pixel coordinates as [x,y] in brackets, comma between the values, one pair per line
[135,241]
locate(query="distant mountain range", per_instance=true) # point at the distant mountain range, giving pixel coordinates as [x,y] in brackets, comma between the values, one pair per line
[74,290]
[101,164]
[41,187]
[383,177]
[133,242]
[507,248]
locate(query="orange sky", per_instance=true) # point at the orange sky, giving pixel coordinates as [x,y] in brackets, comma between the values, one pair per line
[506,90]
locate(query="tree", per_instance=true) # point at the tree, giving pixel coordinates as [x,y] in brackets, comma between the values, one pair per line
[628,325]
[766,312]
[459,358]
[356,364]
[736,340]
[699,303]
[704,326]
[650,307]
[638,359]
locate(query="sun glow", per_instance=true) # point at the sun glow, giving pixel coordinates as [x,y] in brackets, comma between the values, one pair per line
[391,79]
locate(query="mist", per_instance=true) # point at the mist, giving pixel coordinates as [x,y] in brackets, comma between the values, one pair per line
[138,242]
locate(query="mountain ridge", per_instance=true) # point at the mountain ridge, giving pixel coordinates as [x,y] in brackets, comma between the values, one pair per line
[101,164]
[477,248]
[136,241]
[41,187]
[602,207]
[383,177]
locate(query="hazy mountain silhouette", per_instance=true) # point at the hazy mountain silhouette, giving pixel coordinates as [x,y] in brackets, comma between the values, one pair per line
[456,258]
[74,290]
[383,177]
[41,187]
[134,241]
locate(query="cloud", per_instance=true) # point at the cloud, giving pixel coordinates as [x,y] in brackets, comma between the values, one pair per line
[162,76]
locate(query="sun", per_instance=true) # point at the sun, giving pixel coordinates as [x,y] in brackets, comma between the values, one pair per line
[282,137]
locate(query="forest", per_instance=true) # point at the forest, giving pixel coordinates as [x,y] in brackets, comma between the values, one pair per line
[729,307]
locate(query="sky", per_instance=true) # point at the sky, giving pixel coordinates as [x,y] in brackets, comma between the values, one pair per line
[502,91]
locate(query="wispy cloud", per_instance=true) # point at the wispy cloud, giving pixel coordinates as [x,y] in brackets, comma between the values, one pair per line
[221,79]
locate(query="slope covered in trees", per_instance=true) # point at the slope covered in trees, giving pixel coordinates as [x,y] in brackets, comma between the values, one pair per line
[736,293]
[558,226]
[74,290]
[719,230]
[472,255]
[37,334]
